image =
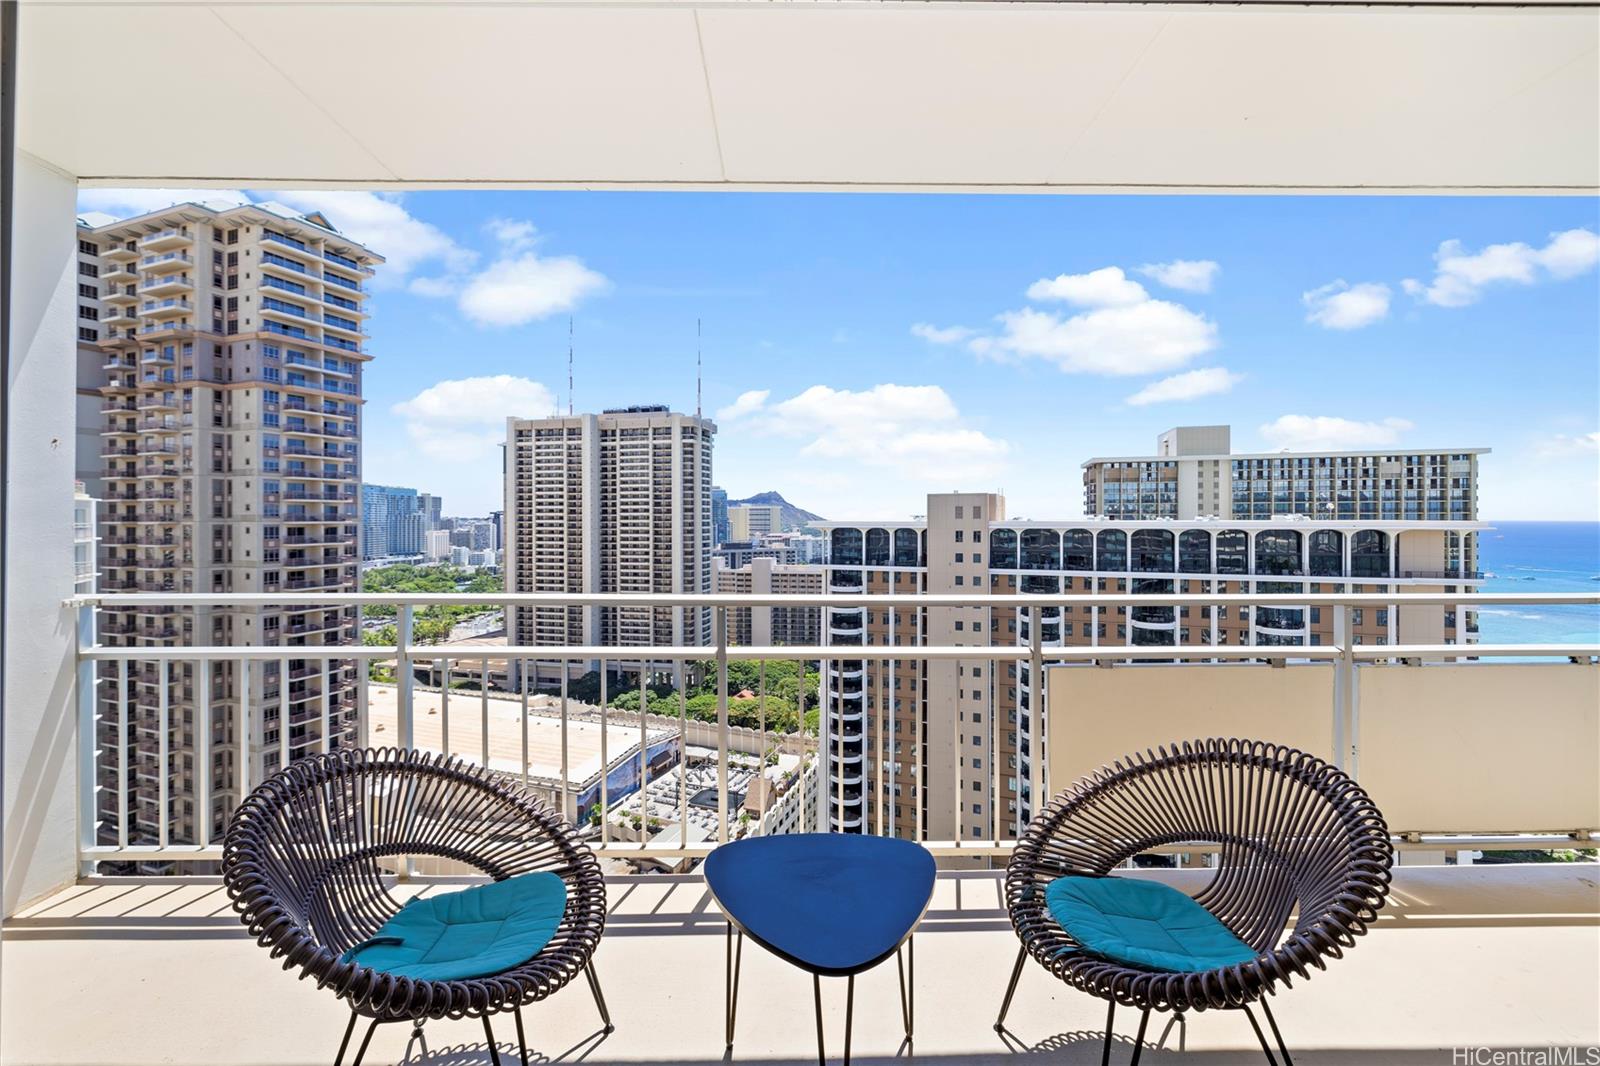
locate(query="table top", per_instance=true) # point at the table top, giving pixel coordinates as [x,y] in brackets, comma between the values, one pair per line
[831,903]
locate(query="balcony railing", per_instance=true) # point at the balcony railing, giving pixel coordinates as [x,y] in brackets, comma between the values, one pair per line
[1338,677]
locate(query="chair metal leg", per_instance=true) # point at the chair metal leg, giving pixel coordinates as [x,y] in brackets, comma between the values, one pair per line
[816,988]
[339,1058]
[1011,989]
[1111,1015]
[488,1032]
[730,998]
[599,997]
[522,1041]
[362,1050]
[849,1014]
[1138,1040]
[1260,1036]
[1282,1048]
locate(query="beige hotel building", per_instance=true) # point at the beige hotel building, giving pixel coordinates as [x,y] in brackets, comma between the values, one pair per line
[221,350]
[973,761]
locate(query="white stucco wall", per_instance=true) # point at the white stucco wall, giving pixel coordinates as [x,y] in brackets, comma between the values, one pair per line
[40,691]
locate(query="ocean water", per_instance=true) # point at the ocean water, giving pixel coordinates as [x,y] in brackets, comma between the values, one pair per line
[1538,557]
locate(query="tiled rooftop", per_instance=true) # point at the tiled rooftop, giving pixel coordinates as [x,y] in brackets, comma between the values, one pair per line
[140,972]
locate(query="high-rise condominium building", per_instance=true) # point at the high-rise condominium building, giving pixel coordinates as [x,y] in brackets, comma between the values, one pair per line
[227,347]
[393,522]
[752,521]
[760,626]
[973,712]
[432,508]
[614,502]
[719,515]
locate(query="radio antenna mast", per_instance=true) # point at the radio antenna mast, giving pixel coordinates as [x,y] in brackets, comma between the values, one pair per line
[569,366]
[697,365]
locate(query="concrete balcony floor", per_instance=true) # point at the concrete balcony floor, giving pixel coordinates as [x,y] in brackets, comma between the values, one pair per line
[138,972]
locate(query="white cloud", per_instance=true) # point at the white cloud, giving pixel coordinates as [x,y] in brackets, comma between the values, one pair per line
[462,420]
[1190,275]
[1461,276]
[1120,329]
[1106,287]
[941,334]
[748,403]
[1340,305]
[1560,445]
[914,431]
[1307,432]
[1186,386]
[1143,338]
[518,290]
[515,234]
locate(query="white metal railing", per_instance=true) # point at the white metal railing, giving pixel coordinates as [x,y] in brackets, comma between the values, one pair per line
[107,676]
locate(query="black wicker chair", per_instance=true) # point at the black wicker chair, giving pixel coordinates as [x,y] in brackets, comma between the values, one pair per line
[305,865]
[1297,838]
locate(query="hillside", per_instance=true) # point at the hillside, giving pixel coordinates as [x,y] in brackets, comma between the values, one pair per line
[793,517]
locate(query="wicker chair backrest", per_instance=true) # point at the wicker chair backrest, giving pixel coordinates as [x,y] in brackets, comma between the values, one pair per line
[318,838]
[1296,836]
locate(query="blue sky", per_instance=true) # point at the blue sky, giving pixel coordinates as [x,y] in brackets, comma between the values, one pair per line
[866,349]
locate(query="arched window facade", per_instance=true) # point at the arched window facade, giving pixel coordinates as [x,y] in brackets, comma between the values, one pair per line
[1369,554]
[1278,552]
[877,547]
[1077,550]
[1233,552]
[1111,550]
[846,548]
[1327,553]
[1152,550]
[1003,549]
[1041,549]
[1194,551]
[906,547]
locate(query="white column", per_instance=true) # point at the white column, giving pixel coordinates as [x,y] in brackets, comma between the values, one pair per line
[41,744]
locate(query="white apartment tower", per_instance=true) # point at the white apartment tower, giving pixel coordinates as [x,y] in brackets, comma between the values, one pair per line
[221,351]
[613,502]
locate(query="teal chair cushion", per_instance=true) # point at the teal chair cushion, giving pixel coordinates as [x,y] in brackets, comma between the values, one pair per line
[1142,923]
[476,932]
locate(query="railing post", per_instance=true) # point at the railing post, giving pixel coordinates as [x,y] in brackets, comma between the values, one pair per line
[483,690]
[405,679]
[1343,688]
[88,741]
[242,732]
[722,724]
[202,759]
[1035,711]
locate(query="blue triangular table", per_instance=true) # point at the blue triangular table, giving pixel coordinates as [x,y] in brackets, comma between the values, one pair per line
[833,904]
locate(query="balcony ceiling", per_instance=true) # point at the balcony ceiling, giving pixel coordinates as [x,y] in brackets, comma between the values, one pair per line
[875,95]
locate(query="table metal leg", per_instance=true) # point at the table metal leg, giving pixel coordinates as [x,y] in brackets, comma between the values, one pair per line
[908,984]
[849,1014]
[816,988]
[735,956]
